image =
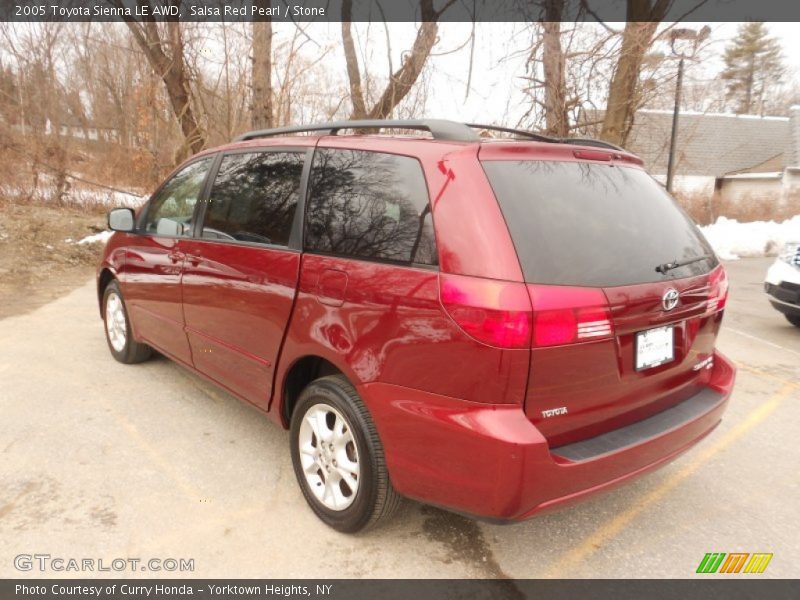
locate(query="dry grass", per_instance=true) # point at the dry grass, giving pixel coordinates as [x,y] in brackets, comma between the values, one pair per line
[37,171]
[37,263]
[39,259]
[705,208]
[699,206]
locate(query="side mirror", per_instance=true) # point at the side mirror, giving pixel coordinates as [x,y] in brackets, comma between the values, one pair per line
[121,219]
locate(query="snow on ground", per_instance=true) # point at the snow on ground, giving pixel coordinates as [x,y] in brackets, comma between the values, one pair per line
[92,239]
[732,240]
[109,198]
[77,194]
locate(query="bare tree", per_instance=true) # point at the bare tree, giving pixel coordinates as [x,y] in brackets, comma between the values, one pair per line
[351,58]
[39,53]
[218,59]
[623,93]
[567,71]
[163,46]
[402,80]
[304,90]
[555,89]
[261,106]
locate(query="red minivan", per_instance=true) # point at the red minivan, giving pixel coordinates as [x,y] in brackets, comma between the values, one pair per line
[494,326]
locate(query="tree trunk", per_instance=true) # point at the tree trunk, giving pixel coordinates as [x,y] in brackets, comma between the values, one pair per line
[555,92]
[351,58]
[172,70]
[623,95]
[748,94]
[261,108]
[403,79]
[406,76]
[177,83]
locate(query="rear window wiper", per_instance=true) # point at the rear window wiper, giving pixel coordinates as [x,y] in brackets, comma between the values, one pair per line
[682,263]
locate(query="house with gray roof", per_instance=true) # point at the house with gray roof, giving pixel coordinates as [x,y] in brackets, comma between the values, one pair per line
[739,158]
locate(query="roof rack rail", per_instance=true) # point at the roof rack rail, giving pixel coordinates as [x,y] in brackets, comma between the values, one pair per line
[521,132]
[546,138]
[440,129]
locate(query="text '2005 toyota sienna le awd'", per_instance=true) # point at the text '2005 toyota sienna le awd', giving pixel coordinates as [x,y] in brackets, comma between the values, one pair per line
[499,327]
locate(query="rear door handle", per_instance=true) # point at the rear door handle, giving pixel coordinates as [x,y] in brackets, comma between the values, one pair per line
[176,257]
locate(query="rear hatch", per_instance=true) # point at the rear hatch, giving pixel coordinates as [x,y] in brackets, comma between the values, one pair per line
[626,292]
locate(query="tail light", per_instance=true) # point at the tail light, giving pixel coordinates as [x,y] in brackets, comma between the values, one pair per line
[499,313]
[568,315]
[718,296]
[494,312]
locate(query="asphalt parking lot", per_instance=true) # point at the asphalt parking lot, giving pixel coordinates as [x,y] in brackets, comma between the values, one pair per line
[102,460]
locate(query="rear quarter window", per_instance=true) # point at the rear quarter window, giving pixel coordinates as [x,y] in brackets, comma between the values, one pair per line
[594,225]
[369,205]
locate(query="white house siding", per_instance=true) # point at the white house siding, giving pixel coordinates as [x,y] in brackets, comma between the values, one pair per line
[689,184]
[753,196]
[742,189]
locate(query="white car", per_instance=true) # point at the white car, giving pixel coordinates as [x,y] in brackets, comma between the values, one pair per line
[783,283]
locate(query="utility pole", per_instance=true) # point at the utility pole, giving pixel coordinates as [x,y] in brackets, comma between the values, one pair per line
[674,137]
[695,37]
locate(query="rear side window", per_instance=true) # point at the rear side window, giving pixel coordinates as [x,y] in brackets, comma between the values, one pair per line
[254,198]
[369,205]
[593,225]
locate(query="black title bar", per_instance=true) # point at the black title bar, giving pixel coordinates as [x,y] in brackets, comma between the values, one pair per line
[396,589]
[392,10]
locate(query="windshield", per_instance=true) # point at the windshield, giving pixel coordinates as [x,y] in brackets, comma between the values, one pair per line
[594,225]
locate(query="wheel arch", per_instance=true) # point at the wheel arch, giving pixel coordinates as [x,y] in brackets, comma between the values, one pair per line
[302,371]
[105,277]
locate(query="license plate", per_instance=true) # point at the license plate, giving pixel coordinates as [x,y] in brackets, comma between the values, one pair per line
[654,347]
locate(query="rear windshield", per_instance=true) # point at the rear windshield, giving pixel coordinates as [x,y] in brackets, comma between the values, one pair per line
[594,225]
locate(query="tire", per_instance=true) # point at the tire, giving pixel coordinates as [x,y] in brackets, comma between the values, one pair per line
[793,319]
[323,405]
[117,326]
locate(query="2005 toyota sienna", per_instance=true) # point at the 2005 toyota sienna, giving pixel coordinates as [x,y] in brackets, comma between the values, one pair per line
[495,326]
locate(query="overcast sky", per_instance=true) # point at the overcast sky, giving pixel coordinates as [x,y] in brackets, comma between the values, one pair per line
[495,89]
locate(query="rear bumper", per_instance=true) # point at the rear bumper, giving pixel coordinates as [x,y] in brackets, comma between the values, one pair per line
[490,461]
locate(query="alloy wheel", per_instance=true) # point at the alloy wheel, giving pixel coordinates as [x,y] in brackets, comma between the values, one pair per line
[116,324]
[329,456]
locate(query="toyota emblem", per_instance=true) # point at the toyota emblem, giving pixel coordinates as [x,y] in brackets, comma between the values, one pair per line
[670,299]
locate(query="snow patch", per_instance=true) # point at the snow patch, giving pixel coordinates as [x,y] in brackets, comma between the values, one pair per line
[97,237]
[77,194]
[732,240]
